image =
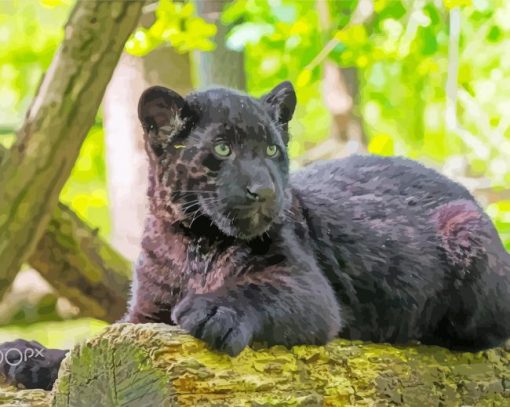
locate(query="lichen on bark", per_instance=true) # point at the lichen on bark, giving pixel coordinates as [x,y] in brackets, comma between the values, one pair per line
[156,364]
[10,396]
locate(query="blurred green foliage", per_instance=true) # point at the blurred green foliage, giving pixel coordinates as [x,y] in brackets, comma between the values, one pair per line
[401,53]
[175,24]
[29,33]
[60,335]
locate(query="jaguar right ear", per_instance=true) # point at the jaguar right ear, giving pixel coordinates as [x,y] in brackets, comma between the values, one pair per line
[163,114]
[281,103]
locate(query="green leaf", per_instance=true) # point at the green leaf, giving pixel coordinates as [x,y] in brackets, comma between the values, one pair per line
[390,9]
[304,78]
[494,34]
[457,3]
[428,40]
[381,144]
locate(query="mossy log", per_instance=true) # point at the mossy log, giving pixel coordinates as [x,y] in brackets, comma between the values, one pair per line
[160,365]
[81,266]
[10,396]
[35,169]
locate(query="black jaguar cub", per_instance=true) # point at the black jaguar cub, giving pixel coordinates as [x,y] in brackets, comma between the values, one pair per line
[236,250]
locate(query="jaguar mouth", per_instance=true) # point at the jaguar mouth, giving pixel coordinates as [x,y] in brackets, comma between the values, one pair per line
[242,221]
[253,221]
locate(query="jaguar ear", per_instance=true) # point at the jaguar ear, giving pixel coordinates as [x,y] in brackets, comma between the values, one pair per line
[281,102]
[163,114]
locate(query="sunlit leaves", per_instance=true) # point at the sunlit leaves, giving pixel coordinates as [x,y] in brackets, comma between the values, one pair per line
[279,37]
[494,34]
[391,9]
[457,3]
[500,214]
[356,47]
[304,78]
[176,25]
[29,33]
[85,190]
[54,3]
[428,41]
[381,144]
[354,34]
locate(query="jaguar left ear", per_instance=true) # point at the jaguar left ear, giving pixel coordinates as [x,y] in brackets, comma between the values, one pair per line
[281,103]
[163,113]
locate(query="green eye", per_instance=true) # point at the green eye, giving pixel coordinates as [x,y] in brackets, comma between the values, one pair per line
[222,149]
[272,150]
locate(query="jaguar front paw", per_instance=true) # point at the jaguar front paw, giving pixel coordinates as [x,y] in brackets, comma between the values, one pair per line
[223,327]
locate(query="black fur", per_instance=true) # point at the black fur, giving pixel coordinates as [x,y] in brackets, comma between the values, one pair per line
[238,251]
[29,364]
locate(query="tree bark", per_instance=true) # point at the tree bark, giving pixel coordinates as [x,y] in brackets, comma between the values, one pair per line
[222,66]
[39,163]
[159,365]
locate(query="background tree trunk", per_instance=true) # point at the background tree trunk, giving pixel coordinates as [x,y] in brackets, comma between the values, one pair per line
[126,157]
[340,92]
[340,89]
[340,86]
[222,66]
[39,163]
[156,365]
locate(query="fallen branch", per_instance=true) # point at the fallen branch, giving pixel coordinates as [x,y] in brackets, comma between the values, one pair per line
[81,266]
[155,364]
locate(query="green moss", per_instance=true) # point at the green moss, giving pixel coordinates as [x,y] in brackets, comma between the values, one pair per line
[161,364]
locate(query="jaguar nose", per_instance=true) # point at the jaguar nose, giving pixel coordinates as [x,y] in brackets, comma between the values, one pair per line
[259,193]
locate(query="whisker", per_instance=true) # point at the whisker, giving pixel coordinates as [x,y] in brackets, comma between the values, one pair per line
[195,217]
[192,192]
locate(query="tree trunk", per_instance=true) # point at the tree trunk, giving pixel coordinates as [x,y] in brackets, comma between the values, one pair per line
[126,157]
[340,92]
[81,266]
[222,66]
[159,365]
[39,163]
[340,88]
